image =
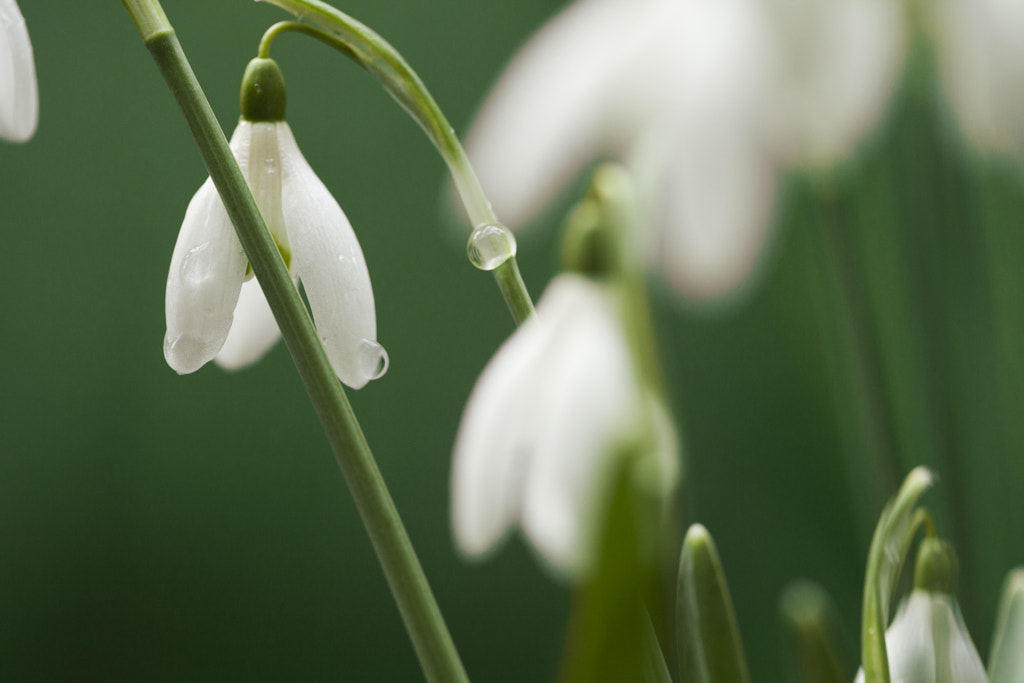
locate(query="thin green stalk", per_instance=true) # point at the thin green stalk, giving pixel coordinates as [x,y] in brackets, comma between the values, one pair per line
[377,56]
[419,610]
[510,282]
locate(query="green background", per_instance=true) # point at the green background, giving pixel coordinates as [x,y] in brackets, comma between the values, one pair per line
[157,527]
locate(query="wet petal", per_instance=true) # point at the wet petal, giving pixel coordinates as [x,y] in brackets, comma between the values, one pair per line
[327,258]
[207,269]
[253,332]
[19,96]
[263,173]
[553,108]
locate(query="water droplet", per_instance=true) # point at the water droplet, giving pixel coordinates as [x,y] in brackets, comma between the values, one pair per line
[373,359]
[186,353]
[194,268]
[490,246]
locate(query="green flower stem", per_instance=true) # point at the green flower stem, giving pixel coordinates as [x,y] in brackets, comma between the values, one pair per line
[384,62]
[510,282]
[419,610]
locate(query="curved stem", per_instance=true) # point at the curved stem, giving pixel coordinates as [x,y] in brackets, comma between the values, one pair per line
[416,602]
[299,27]
[376,55]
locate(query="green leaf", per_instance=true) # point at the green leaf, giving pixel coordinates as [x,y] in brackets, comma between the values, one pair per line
[610,636]
[710,650]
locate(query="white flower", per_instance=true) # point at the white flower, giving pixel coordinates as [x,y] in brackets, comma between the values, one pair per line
[206,317]
[538,438]
[705,98]
[928,643]
[19,95]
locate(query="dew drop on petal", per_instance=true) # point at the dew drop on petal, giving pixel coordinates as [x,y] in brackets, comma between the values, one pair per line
[186,353]
[194,269]
[373,359]
[490,245]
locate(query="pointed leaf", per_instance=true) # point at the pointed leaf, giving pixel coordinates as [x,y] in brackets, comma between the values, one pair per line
[710,650]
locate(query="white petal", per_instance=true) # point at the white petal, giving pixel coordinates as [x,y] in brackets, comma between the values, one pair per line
[838,63]
[587,400]
[705,183]
[713,204]
[659,474]
[910,642]
[963,656]
[554,108]
[495,439]
[206,274]
[264,172]
[19,95]
[982,65]
[253,331]
[207,270]
[327,258]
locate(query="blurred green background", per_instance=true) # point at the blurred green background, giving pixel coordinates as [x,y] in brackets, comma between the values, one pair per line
[156,527]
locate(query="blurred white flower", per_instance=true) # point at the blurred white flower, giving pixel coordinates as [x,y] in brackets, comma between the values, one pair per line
[980,51]
[539,437]
[207,319]
[928,643]
[19,94]
[706,99]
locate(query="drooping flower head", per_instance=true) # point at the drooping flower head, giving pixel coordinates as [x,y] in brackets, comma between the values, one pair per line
[707,100]
[216,309]
[538,438]
[928,642]
[19,95]
[569,403]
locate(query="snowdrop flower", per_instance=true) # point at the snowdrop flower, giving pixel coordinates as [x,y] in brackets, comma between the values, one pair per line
[211,314]
[707,100]
[538,438]
[928,642]
[19,95]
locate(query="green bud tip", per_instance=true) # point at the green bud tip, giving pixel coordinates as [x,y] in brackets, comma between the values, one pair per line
[805,605]
[594,242]
[587,247]
[263,94]
[935,570]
